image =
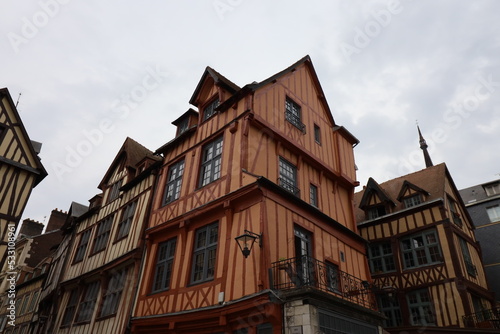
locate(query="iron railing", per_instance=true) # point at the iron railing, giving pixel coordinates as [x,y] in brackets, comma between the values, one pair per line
[483,319]
[288,186]
[295,120]
[307,272]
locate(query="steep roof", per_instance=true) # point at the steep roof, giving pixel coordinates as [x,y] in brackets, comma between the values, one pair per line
[133,153]
[218,79]
[431,179]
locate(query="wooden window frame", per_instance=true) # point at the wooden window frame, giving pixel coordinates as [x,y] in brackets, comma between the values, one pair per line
[204,270]
[70,309]
[209,109]
[420,306]
[88,301]
[125,223]
[114,192]
[112,295]
[211,162]
[164,263]
[378,252]
[293,114]
[103,232]
[174,182]
[375,212]
[412,200]
[313,195]
[82,248]
[430,250]
[317,134]
[389,306]
[288,176]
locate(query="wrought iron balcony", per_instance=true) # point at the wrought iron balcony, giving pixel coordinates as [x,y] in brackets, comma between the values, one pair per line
[307,272]
[484,319]
[295,120]
[288,186]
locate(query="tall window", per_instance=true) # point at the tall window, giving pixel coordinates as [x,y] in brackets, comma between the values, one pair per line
[381,258]
[493,213]
[164,262]
[205,249]
[87,305]
[454,212]
[209,110]
[126,221]
[211,162]
[115,191]
[288,177]
[33,302]
[412,201]
[313,195]
[317,134]
[469,266]
[103,231]
[82,246]
[174,182]
[421,310]
[421,249]
[390,308]
[332,277]
[69,312]
[293,114]
[113,293]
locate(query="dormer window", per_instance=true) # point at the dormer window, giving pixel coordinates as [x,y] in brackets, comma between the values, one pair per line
[492,189]
[375,212]
[209,110]
[183,126]
[412,200]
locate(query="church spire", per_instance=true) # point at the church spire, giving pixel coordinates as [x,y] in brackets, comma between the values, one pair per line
[423,146]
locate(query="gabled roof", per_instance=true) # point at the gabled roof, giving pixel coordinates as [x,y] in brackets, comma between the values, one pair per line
[218,79]
[409,185]
[133,153]
[31,148]
[372,187]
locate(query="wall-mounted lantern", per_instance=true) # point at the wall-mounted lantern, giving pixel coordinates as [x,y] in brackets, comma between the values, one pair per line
[246,241]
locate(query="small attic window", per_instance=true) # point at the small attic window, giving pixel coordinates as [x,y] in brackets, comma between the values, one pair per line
[209,110]
[412,200]
[492,189]
[183,126]
[375,212]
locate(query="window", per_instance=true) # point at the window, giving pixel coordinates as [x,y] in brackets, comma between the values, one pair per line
[492,189]
[293,114]
[375,212]
[126,222]
[494,213]
[211,162]
[115,191]
[174,182]
[209,110]
[69,312]
[381,258]
[33,302]
[112,296]
[420,305]
[266,328]
[87,305]
[412,201]
[288,177]
[317,134]
[163,271]
[183,126]
[82,247]
[205,249]
[390,308]
[334,323]
[332,277]
[313,195]
[454,213]
[103,231]
[469,266]
[420,250]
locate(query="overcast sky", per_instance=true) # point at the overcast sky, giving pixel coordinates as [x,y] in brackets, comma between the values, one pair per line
[92,73]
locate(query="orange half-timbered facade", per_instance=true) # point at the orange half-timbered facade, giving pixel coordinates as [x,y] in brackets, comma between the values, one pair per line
[99,278]
[265,162]
[425,262]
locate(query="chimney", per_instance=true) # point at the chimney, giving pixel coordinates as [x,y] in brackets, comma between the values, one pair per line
[56,220]
[31,228]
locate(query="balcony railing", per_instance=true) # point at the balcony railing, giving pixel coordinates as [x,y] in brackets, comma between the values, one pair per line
[483,319]
[288,186]
[295,120]
[307,272]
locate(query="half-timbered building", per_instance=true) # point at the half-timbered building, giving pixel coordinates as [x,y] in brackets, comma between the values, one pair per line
[98,278]
[20,171]
[252,227]
[425,262]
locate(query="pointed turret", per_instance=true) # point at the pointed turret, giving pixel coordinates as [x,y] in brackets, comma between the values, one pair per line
[423,146]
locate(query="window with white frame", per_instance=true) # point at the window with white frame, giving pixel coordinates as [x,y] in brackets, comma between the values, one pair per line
[421,309]
[164,262]
[492,189]
[288,176]
[493,213]
[174,182]
[421,249]
[204,253]
[211,159]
